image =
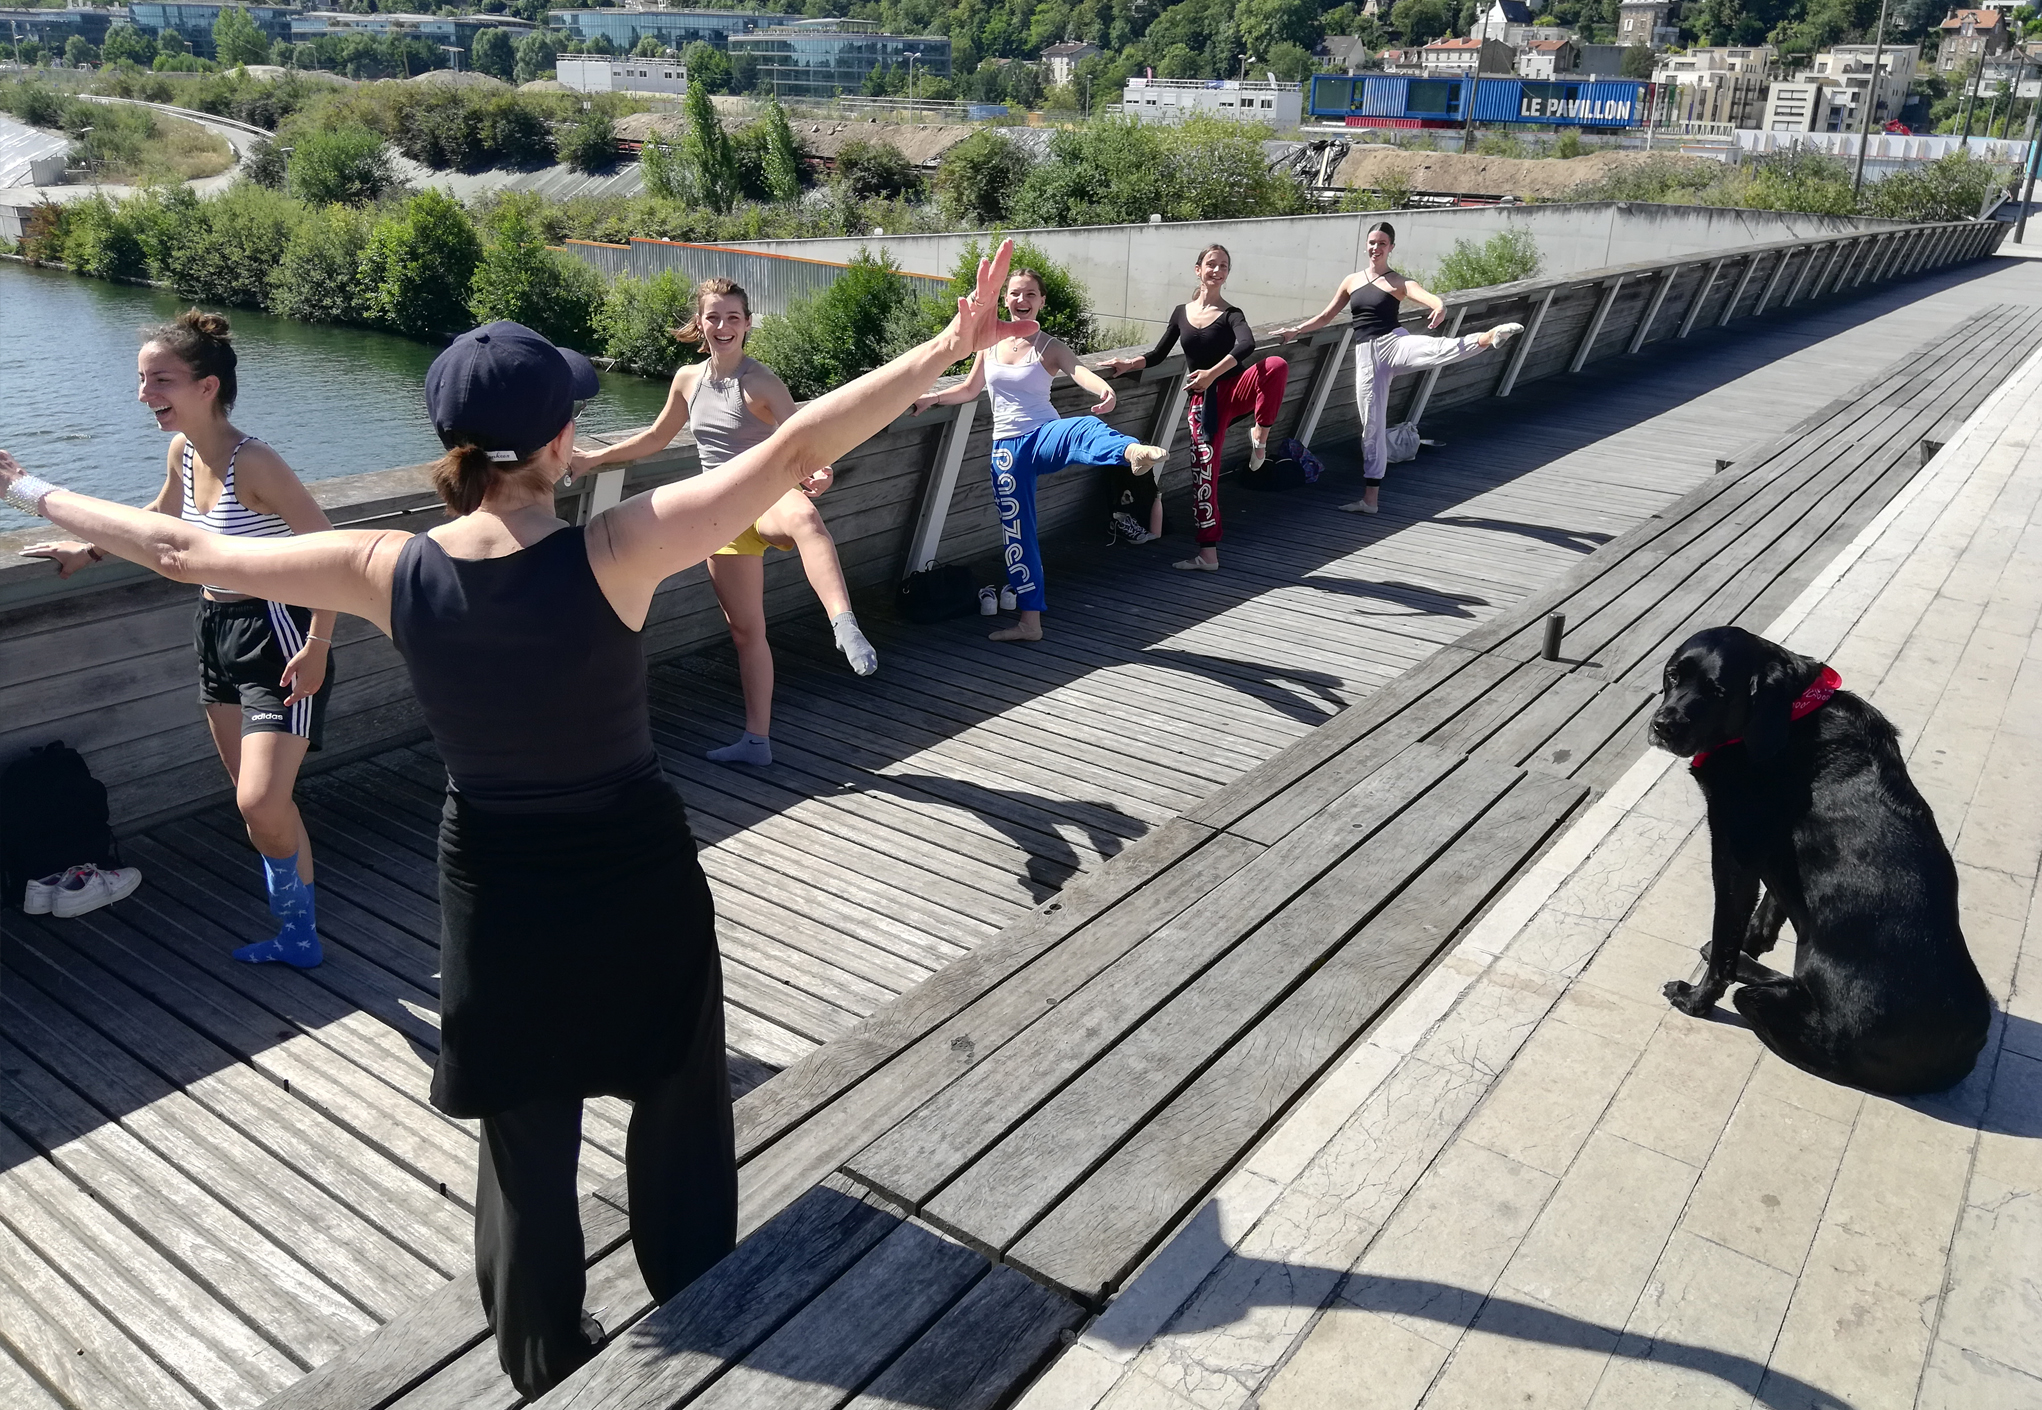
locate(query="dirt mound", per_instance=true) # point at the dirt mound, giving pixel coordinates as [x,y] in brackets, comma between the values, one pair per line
[1547,178]
[447,78]
[922,143]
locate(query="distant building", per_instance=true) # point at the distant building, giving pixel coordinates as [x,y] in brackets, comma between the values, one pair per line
[53,28]
[601,73]
[1601,60]
[1445,58]
[1722,85]
[1500,19]
[1060,61]
[1401,60]
[1647,22]
[1851,65]
[1342,51]
[676,29]
[195,22]
[1800,105]
[434,29]
[1281,105]
[1971,35]
[1548,58]
[822,58]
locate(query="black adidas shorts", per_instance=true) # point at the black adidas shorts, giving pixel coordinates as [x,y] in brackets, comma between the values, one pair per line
[243,648]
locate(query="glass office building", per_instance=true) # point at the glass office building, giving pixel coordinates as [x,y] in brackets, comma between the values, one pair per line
[676,29]
[195,22]
[823,58]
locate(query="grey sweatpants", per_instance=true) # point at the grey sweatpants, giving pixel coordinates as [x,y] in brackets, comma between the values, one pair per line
[1376,364]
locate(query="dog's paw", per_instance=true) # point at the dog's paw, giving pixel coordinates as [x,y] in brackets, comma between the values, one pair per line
[1688,999]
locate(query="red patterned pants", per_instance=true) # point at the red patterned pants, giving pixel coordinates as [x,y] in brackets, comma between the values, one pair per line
[1256,389]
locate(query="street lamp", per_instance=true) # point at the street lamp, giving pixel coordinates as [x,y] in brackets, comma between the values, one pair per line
[913,59]
[1871,100]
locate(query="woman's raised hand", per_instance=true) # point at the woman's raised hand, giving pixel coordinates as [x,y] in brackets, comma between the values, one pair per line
[978,323]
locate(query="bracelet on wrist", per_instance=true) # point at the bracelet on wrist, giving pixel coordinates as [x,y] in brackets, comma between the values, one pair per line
[327,639]
[26,493]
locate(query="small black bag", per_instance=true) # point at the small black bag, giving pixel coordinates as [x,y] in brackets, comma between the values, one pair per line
[53,817]
[938,594]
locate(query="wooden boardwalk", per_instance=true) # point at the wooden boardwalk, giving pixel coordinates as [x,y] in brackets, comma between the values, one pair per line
[213,1177]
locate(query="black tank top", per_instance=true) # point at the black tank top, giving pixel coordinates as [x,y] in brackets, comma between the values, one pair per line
[533,689]
[1375,311]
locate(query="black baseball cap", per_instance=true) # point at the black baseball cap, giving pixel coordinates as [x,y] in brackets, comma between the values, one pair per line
[506,389]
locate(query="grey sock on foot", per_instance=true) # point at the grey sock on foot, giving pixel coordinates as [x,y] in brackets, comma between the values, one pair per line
[857,650]
[749,749]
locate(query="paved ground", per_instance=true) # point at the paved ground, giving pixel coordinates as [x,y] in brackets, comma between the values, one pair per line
[1539,1186]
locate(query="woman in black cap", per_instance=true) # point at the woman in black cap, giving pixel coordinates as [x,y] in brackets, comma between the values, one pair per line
[578,950]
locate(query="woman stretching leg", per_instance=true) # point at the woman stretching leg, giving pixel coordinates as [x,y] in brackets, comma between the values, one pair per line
[263,675]
[1382,349]
[1030,440]
[578,945]
[1223,387]
[734,403]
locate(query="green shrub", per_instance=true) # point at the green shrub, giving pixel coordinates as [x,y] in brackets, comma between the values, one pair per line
[1800,180]
[870,169]
[348,165]
[267,165]
[841,333]
[1066,308]
[1114,171]
[980,178]
[320,278]
[1569,145]
[418,265]
[638,319]
[590,142]
[1504,258]
[100,239]
[1950,188]
[36,104]
[1219,172]
[232,246]
[520,279]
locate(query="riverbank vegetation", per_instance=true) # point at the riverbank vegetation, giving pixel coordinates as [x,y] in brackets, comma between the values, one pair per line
[117,143]
[1954,187]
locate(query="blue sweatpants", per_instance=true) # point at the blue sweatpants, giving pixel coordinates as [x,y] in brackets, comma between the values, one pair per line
[1021,460]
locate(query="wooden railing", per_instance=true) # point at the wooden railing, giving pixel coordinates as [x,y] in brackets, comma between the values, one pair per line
[104,661]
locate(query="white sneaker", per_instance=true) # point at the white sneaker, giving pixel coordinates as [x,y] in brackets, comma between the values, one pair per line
[989,601]
[88,888]
[1009,602]
[38,897]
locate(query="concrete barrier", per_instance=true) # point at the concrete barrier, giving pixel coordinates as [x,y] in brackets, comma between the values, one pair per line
[104,662]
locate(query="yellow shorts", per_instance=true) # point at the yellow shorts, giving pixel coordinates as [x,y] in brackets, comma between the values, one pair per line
[746,542]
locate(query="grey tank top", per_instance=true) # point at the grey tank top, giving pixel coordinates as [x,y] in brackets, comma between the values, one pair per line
[532,686]
[723,425]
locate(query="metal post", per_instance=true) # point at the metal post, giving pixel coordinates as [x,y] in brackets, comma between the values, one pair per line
[942,486]
[1871,92]
[1431,379]
[1737,294]
[1524,344]
[1468,118]
[1772,283]
[1971,98]
[1595,324]
[1666,278]
[2028,185]
[1694,309]
[1327,374]
[1801,279]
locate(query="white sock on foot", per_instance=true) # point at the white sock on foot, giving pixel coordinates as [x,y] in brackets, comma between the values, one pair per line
[857,650]
[749,749]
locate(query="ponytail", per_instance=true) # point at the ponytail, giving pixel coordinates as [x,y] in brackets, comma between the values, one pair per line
[465,475]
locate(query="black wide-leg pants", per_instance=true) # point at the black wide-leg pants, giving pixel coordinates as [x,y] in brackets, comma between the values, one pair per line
[680,1166]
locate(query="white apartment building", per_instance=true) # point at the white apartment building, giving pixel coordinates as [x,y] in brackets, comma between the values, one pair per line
[1281,105]
[602,73]
[1548,58]
[1723,85]
[1851,64]
[1446,58]
[1801,106]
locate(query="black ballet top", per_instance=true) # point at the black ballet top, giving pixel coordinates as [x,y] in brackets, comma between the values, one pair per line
[1225,336]
[1375,311]
[532,686]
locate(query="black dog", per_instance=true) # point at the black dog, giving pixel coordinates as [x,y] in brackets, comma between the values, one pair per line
[1820,809]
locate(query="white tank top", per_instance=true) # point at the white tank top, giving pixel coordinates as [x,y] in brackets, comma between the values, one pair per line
[1020,392]
[228,515]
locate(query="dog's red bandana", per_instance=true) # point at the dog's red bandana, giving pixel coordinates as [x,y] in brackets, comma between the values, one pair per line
[1812,699]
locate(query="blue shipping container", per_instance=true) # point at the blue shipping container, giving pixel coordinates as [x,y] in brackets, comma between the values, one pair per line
[1577,103]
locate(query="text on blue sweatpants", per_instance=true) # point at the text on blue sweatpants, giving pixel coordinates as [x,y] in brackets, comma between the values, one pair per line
[1018,463]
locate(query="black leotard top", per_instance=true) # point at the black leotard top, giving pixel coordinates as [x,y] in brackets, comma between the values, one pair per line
[1225,336]
[532,686]
[1374,309]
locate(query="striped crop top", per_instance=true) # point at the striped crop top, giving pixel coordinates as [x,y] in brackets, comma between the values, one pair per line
[228,515]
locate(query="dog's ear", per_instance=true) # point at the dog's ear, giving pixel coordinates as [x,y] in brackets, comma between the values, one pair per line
[1775,685]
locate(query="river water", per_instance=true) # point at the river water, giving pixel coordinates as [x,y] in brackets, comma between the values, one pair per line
[332,401]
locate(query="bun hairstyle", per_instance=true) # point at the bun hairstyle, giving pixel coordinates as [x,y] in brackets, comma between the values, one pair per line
[1387,229]
[466,474]
[691,331]
[204,343]
[1198,261]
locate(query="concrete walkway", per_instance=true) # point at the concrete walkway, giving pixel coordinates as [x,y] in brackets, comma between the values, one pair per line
[1537,1185]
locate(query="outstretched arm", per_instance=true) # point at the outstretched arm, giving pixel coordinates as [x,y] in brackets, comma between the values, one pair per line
[1325,315]
[1059,358]
[967,390]
[648,538]
[1418,294]
[656,437]
[346,571]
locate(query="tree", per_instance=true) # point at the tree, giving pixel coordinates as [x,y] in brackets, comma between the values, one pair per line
[237,40]
[980,178]
[1419,21]
[1112,171]
[707,67]
[782,156]
[345,164]
[649,47]
[320,278]
[1218,171]
[495,54]
[590,142]
[169,41]
[841,333]
[870,169]
[267,165]
[78,52]
[1637,62]
[518,278]
[126,43]
[1263,24]
[637,322]
[707,157]
[535,56]
[599,45]
[418,265]
[1291,63]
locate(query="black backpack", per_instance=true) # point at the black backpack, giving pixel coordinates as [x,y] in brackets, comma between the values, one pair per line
[938,594]
[52,817]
